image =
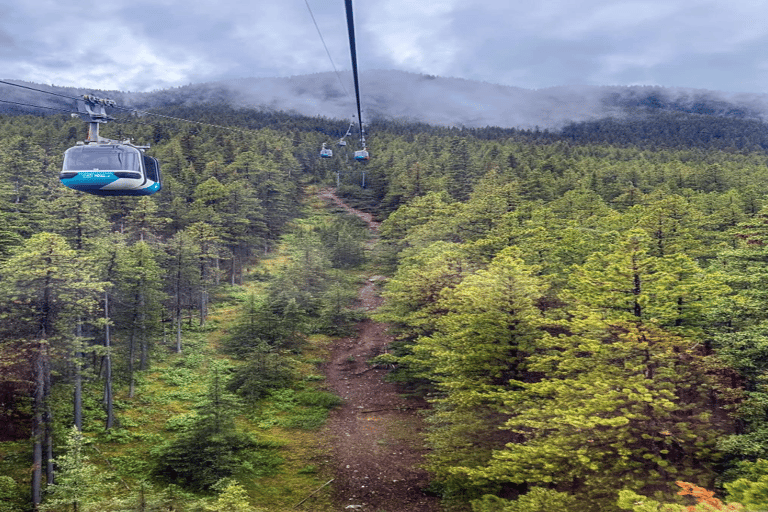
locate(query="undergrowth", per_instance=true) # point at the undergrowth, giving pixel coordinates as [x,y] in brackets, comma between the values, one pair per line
[287,423]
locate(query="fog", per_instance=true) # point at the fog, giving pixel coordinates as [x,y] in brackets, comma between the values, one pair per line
[458,102]
[403,96]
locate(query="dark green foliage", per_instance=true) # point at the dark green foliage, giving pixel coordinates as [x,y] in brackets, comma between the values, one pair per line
[585,308]
[211,447]
[258,328]
[343,237]
[538,499]
[263,369]
[198,460]
[12,497]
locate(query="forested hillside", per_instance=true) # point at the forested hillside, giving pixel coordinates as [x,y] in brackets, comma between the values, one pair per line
[582,309]
[98,293]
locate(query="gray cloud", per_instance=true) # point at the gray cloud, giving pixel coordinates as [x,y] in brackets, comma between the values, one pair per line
[144,45]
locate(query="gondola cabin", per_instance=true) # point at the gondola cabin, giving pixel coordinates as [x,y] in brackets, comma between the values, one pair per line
[325,152]
[342,143]
[111,169]
[362,155]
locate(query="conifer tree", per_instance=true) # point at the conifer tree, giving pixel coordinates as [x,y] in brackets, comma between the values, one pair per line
[205,241]
[182,277]
[480,344]
[211,448]
[741,338]
[47,288]
[79,483]
[625,394]
[139,281]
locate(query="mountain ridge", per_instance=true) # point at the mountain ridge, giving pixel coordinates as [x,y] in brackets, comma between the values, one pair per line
[429,99]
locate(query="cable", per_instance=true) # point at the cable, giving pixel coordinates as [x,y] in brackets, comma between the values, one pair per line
[341,82]
[144,112]
[39,90]
[353,52]
[36,106]
[118,107]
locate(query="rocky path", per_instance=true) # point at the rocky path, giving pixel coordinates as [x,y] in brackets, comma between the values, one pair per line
[376,432]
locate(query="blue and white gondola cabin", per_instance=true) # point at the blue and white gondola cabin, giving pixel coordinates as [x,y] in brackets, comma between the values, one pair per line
[110,170]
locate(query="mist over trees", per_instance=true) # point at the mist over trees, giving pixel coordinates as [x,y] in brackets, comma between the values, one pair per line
[582,309]
[432,100]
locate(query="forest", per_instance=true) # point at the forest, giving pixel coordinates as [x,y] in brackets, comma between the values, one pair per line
[583,310]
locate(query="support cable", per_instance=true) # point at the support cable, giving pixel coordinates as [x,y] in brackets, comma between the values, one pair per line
[353,53]
[70,111]
[117,107]
[39,90]
[341,82]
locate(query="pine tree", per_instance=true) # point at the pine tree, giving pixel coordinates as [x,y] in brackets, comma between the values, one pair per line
[481,343]
[47,289]
[182,277]
[79,483]
[625,393]
[211,448]
[625,406]
[205,241]
[139,284]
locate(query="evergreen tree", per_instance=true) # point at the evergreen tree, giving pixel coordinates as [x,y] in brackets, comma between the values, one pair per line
[182,278]
[742,333]
[79,483]
[480,345]
[139,282]
[625,406]
[46,289]
[211,448]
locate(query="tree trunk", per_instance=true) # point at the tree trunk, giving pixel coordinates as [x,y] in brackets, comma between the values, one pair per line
[203,305]
[78,378]
[203,291]
[48,418]
[178,329]
[178,305]
[234,269]
[131,357]
[108,406]
[37,427]
[143,341]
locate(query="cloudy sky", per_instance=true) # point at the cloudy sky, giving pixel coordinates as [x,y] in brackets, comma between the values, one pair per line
[146,45]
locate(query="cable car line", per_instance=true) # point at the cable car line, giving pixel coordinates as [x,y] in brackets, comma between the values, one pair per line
[361,155]
[147,113]
[38,90]
[36,106]
[341,82]
[117,107]
[353,54]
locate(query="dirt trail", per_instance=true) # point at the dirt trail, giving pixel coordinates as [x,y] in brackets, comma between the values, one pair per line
[376,432]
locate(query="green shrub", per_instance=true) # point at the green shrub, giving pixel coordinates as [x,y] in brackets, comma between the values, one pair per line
[315,398]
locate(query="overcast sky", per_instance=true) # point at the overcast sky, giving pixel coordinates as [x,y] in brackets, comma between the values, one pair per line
[146,45]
